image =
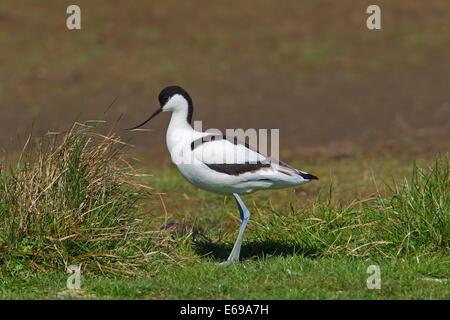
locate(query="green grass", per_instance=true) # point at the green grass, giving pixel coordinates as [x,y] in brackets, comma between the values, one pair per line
[67,201]
[412,221]
[278,277]
[311,242]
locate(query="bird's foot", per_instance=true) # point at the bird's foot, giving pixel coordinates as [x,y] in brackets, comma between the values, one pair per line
[233,258]
[227,263]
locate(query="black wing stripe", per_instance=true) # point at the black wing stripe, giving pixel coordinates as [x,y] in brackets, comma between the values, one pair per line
[237,168]
[198,142]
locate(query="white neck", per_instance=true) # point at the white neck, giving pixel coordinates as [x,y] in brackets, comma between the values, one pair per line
[179,119]
[179,129]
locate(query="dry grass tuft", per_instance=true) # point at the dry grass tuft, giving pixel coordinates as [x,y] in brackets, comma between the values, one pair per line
[413,222]
[72,199]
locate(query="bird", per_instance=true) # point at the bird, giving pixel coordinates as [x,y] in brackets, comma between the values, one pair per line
[220,163]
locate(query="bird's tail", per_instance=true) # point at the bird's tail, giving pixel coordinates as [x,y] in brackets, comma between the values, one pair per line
[306,175]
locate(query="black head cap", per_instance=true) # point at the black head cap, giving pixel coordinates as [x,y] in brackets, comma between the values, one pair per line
[170,91]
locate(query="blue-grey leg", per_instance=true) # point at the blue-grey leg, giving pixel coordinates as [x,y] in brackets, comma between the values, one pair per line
[245,216]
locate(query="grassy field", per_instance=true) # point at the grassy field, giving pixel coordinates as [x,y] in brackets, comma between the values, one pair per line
[311,242]
[278,277]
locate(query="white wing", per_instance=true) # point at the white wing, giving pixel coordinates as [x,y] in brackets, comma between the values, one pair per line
[225,151]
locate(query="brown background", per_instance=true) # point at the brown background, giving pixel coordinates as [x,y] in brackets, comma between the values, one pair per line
[310,68]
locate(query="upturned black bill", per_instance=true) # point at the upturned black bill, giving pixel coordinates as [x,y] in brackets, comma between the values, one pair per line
[151,117]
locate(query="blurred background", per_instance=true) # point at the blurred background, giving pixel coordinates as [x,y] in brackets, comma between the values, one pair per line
[310,68]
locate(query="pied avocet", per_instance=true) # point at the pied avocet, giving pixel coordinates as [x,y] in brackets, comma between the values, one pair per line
[218,163]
